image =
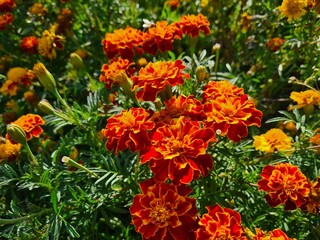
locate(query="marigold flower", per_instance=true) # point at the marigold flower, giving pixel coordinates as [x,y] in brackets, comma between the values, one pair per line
[173,4]
[160,37]
[163,211]
[20,75]
[276,234]
[5,19]
[129,129]
[111,70]
[315,140]
[8,150]
[231,116]
[293,9]
[29,44]
[9,87]
[312,204]
[154,78]
[305,98]
[49,42]
[178,151]
[122,42]
[274,139]
[245,21]
[38,9]
[31,98]
[31,124]
[7,5]
[220,223]
[284,184]
[64,21]
[194,24]
[274,44]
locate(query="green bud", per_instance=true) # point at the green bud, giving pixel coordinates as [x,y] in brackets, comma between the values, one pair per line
[16,133]
[76,61]
[45,77]
[201,73]
[46,107]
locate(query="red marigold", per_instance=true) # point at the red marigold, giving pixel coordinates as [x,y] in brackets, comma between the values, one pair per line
[231,116]
[29,44]
[160,37]
[5,19]
[122,42]
[31,124]
[153,78]
[110,71]
[312,204]
[220,223]
[7,5]
[163,211]
[129,129]
[274,44]
[276,234]
[193,24]
[178,151]
[284,183]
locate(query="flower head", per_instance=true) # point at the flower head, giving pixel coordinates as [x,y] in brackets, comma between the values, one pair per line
[284,184]
[163,211]
[274,44]
[38,9]
[122,42]
[194,24]
[153,78]
[64,21]
[5,19]
[8,150]
[276,234]
[7,5]
[293,9]
[178,151]
[274,139]
[220,223]
[29,44]
[312,204]
[129,129]
[305,98]
[49,42]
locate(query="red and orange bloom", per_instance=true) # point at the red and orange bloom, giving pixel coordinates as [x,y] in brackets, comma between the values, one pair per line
[160,37]
[122,42]
[194,24]
[216,89]
[231,116]
[7,5]
[29,44]
[274,44]
[155,77]
[129,129]
[284,184]
[111,70]
[307,98]
[220,223]
[8,150]
[31,124]
[163,211]
[50,42]
[173,4]
[276,234]
[274,139]
[178,151]
[312,204]
[5,19]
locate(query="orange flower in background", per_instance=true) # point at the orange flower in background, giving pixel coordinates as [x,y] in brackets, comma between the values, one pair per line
[305,98]
[220,223]
[153,78]
[122,42]
[31,124]
[245,21]
[160,37]
[163,211]
[293,9]
[129,129]
[50,42]
[178,151]
[276,234]
[64,21]
[190,107]
[8,150]
[231,116]
[173,4]
[9,87]
[315,141]
[111,70]
[273,140]
[5,19]
[7,5]
[284,184]
[312,204]
[274,44]
[29,44]
[194,24]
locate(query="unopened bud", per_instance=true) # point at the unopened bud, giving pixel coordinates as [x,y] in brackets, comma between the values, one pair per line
[45,107]
[16,133]
[65,159]
[216,47]
[76,61]
[45,77]
[201,73]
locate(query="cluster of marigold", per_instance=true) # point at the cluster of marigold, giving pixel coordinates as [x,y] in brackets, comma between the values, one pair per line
[6,16]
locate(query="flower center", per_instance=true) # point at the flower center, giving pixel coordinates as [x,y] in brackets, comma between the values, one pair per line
[159,214]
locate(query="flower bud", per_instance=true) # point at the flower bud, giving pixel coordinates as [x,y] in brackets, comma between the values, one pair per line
[16,133]
[201,73]
[46,107]
[76,61]
[216,47]
[45,77]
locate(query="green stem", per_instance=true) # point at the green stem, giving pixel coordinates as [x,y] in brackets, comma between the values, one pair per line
[21,219]
[71,162]
[33,158]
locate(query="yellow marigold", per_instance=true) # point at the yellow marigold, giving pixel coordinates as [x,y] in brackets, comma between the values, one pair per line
[38,9]
[9,87]
[8,151]
[274,139]
[305,98]
[49,42]
[245,21]
[293,9]
[12,105]
[315,140]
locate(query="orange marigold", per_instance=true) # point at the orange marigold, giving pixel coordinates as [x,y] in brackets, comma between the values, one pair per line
[220,223]
[8,150]
[315,140]
[194,24]
[49,42]
[31,124]
[64,21]
[293,9]
[129,129]
[305,98]
[111,70]
[5,19]
[122,42]
[284,184]
[7,5]
[154,78]
[274,139]
[276,234]
[160,37]
[178,151]
[163,211]
[274,44]
[29,44]
[231,116]
[312,204]
[9,87]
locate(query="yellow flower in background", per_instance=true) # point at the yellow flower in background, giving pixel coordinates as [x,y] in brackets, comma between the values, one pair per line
[49,42]
[315,141]
[306,99]
[293,9]
[274,139]
[38,9]
[9,87]
[8,151]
